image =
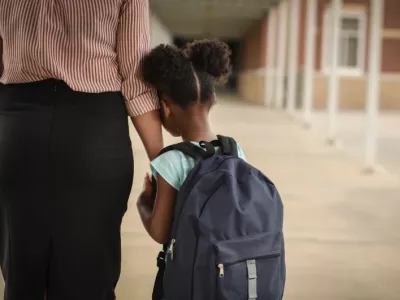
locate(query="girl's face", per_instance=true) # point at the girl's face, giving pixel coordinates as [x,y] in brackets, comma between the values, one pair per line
[168,117]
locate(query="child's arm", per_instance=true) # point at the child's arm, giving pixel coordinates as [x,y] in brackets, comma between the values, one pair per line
[157,214]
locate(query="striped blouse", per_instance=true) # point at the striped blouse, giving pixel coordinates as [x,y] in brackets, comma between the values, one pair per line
[93,45]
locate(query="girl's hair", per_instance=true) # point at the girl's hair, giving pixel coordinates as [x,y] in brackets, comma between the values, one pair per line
[188,75]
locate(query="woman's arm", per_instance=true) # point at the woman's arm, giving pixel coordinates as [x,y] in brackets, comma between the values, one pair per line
[1,56]
[157,215]
[141,100]
[148,126]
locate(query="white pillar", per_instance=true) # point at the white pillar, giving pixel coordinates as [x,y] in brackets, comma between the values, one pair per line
[308,83]
[280,72]
[293,56]
[373,86]
[333,87]
[271,58]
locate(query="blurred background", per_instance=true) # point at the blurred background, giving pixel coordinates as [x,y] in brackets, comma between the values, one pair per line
[314,100]
[315,59]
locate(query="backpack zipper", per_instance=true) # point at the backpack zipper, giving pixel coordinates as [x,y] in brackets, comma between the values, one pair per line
[171,249]
[221,267]
[221,270]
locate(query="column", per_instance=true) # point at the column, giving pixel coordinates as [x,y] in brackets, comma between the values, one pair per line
[293,56]
[373,86]
[333,85]
[309,61]
[282,38]
[271,58]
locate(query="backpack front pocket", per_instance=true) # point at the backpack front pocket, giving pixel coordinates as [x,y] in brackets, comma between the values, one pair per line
[250,268]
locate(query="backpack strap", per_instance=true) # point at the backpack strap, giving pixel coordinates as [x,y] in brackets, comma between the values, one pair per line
[158,288]
[252,279]
[228,145]
[192,150]
[188,149]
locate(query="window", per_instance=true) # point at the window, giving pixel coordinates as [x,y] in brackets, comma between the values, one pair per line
[351,42]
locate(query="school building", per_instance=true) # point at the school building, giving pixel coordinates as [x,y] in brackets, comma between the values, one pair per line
[284,50]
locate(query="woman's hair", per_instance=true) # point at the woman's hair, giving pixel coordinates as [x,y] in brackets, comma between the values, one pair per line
[188,75]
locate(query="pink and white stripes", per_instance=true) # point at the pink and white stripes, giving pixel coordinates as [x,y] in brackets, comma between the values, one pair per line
[93,45]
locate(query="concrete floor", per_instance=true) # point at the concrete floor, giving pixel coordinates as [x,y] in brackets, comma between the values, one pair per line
[342,234]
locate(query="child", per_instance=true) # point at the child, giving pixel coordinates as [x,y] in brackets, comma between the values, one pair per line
[185,80]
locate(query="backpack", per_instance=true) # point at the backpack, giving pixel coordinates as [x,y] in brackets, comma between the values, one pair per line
[226,241]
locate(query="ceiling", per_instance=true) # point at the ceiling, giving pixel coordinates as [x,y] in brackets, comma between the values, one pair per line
[226,19]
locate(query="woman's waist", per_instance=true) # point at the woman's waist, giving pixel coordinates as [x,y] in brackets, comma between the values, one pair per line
[58,93]
[83,79]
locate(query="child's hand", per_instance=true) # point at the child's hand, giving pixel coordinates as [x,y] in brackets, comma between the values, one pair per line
[147,186]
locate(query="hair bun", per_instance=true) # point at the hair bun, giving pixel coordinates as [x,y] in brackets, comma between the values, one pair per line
[210,56]
[163,65]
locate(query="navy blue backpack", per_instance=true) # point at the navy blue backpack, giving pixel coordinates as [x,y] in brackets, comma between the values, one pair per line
[226,240]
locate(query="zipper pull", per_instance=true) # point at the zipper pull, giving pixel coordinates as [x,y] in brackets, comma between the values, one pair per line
[221,270]
[171,249]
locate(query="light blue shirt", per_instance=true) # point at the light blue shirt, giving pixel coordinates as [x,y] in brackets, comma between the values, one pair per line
[174,166]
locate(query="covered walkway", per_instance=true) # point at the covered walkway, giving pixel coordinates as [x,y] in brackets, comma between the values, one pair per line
[341,226]
[305,57]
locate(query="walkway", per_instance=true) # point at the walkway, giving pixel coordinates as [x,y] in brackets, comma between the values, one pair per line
[352,135]
[342,228]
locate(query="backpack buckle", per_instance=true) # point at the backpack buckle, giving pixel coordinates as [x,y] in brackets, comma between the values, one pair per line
[210,150]
[161,259]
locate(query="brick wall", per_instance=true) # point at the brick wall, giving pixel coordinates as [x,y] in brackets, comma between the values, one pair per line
[391,37]
[391,32]
[352,94]
[251,47]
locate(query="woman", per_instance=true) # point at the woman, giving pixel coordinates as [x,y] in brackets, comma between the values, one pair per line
[69,75]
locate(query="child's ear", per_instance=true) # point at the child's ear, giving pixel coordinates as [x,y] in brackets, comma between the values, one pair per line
[165,109]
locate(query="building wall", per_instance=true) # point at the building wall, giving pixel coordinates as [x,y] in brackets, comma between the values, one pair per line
[352,89]
[159,33]
[352,92]
[391,37]
[251,81]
